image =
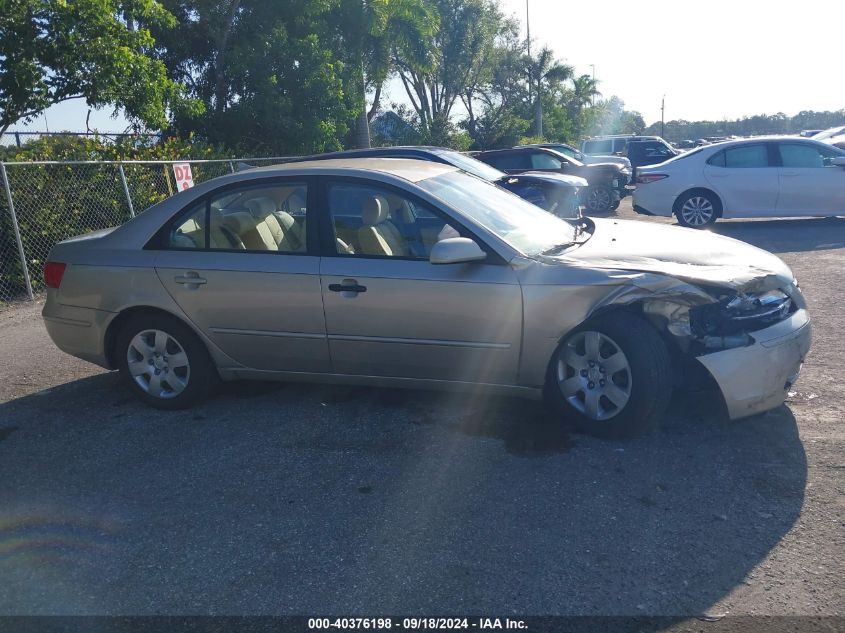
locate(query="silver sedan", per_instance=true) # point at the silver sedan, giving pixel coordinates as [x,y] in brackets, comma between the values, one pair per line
[401,273]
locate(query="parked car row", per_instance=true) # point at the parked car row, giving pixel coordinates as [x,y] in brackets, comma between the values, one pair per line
[608,182]
[759,177]
[414,273]
[637,150]
[587,159]
[834,136]
[560,194]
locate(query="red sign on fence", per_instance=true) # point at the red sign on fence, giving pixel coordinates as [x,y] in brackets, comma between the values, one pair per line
[184,177]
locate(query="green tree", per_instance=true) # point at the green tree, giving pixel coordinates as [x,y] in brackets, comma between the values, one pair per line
[98,50]
[272,76]
[582,96]
[461,56]
[494,102]
[546,74]
[376,28]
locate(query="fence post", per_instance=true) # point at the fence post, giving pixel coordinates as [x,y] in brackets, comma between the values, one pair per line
[231,167]
[126,190]
[17,231]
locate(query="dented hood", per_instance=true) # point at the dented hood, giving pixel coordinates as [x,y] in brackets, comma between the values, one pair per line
[691,255]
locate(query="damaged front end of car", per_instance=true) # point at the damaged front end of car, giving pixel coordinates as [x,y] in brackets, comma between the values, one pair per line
[727,320]
[751,339]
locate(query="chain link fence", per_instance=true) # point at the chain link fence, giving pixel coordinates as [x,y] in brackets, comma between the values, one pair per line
[45,202]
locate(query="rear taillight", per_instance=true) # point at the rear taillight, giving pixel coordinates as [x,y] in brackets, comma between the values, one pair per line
[643,179]
[53,273]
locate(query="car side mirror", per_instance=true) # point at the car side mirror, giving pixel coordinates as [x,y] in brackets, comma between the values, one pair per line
[456,250]
[839,161]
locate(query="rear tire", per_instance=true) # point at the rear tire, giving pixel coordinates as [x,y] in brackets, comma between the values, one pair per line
[163,362]
[612,377]
[697,209]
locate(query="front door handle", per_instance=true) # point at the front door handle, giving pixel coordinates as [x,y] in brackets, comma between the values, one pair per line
[348,285]
[191,280]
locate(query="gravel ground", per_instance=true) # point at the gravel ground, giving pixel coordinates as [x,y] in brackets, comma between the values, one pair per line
[286,499]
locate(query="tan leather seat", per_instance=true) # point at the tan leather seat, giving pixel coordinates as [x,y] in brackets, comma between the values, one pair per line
[221,236]
[288,235]
[378,235]
[253,232]
[263,228]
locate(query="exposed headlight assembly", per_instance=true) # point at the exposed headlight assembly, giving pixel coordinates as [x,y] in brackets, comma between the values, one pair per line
[745,312]
[773,303]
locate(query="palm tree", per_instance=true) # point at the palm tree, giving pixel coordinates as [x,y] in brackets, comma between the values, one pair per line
[545,70]
[583,93]
[377,27]
[584,89]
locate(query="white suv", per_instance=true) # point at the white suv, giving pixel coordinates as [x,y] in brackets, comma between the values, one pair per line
[762,177]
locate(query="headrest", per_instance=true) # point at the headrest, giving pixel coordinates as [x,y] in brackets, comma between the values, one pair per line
[261,207]
[374,211]
[240,222]
[296,202]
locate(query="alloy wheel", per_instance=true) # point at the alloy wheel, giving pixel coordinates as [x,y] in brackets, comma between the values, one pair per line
[697,211]
[598,200]
[158,364]
[594,375]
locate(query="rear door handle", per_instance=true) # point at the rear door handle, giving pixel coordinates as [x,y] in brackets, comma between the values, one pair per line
[789,173]
[190,279]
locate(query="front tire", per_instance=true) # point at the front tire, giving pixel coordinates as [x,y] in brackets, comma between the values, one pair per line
[612,377]
[163,362]
[600,199]
[697,209]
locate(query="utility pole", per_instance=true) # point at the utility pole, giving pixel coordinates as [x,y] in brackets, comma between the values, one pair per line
[593,96]
[662,118]
[528,40]
[528,27]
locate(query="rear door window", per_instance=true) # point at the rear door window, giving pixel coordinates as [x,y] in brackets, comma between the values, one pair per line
[744,156]
[510,161]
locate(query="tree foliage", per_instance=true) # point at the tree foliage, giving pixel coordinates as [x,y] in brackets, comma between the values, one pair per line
[98,50]
[296,76]
[270,75]
[779,123]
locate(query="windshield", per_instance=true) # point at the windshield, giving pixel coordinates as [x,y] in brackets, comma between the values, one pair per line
[473,166]
[684,155]
[566,158]
[563,149]
[525,227]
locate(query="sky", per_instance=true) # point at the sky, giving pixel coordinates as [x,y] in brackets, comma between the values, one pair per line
[711,59]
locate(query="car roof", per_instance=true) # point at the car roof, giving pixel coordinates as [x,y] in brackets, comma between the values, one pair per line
[606,137]
[517,150]
[405,168]
[375,152]
[765,139]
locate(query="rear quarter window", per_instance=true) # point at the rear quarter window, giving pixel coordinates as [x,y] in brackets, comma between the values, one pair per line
[598,147]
